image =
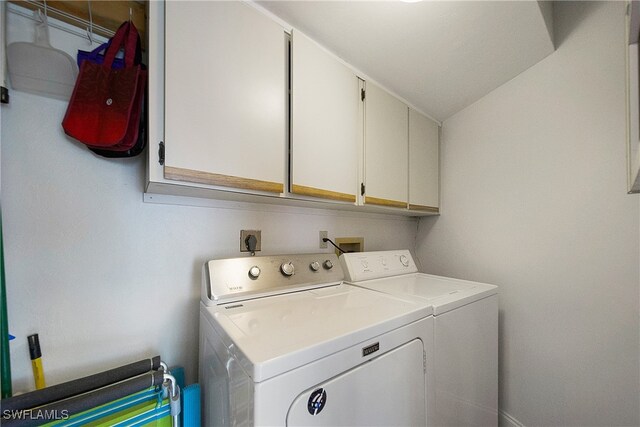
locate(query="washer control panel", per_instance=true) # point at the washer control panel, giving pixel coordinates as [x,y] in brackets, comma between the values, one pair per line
[359,266]
[235,279]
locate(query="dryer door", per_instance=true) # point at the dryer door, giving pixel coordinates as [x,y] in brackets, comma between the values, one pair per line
[388,390]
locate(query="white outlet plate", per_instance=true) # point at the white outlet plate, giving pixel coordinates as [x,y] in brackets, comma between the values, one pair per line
[323,235]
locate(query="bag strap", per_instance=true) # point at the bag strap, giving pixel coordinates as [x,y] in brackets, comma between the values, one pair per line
[133,52]
[126,37]
[137,59]
[114,45]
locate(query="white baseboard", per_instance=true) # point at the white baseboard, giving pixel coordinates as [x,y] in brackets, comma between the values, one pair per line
[506,420]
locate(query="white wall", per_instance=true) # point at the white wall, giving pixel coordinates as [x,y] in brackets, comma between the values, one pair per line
[105,278]
[534,200]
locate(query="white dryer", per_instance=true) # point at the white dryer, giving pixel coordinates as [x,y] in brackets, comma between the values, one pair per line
[465,332]
[283,341]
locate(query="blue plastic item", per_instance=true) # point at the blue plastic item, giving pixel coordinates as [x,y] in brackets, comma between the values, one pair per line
[191,406]
[97,56]
[178,374]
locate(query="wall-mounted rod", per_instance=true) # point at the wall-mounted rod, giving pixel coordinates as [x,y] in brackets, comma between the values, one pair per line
[55,13]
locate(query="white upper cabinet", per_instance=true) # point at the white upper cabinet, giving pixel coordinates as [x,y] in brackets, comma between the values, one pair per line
[225,96]
[424,181]
[386,147]
[324,123]
[239,109]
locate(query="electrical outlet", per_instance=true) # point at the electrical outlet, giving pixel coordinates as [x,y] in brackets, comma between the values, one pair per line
[323,235]
[244,234]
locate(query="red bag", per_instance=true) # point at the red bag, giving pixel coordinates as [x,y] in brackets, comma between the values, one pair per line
[105,107]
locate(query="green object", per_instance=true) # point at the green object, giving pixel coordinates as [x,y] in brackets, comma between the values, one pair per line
[143,409]
[5,369]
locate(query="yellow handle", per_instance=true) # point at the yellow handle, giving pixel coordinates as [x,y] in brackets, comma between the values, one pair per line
[38,372]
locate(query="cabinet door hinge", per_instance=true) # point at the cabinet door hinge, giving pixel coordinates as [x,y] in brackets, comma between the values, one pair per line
[161,153]
[362,94]
[4,95]
[362,189]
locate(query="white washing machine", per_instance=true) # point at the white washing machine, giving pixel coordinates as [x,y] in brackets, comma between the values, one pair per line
[465,332]
[283,341]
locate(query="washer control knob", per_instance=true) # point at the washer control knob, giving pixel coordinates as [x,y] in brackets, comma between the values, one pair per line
[254,272]
[327,264]
[287,268]
[404,260]
[315,266]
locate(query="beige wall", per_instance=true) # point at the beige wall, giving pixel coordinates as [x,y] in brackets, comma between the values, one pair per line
[534,200]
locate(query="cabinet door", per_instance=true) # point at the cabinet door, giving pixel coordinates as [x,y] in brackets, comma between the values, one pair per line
[633,99]
[225,102]
[324,123]
[386,158]
[424,176]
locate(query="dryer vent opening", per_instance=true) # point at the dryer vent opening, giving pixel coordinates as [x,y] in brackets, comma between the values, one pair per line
[350,244]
